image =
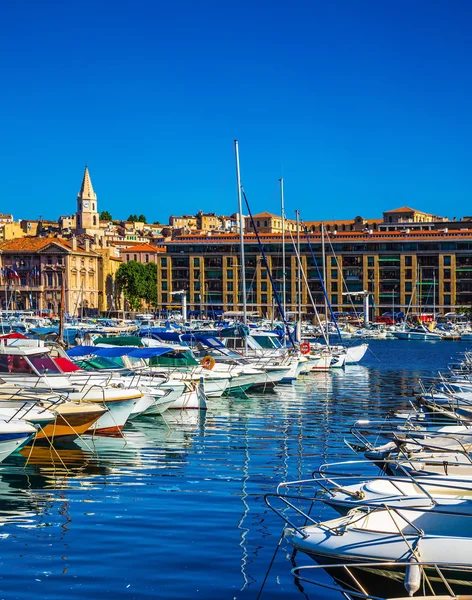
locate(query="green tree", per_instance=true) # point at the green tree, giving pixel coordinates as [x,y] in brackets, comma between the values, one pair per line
[137,218]
[105,216]
[466,311]
[138,282]
[150,283]
[130,279]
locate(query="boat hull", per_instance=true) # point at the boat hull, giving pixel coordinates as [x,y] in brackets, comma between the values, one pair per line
[113,421]
[70,422]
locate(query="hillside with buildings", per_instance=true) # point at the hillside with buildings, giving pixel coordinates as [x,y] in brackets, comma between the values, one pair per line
[404,257]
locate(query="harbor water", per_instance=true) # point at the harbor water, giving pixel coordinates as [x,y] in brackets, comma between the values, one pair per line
[176,509]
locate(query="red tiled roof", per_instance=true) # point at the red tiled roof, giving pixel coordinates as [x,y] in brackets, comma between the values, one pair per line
[341,236]
[404,209]
[267,214]
[144,248]
[36,244]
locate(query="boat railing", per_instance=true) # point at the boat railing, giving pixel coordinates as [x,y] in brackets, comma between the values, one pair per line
[303,574]
[322,475]
[362,511]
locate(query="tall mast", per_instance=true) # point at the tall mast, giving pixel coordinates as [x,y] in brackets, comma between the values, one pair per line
[299,274]
[284,283]
[241,231]
[323,254]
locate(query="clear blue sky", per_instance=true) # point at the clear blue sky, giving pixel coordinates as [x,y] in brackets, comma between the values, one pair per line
[360,106]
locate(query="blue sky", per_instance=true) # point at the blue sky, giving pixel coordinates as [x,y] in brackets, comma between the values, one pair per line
[360,106]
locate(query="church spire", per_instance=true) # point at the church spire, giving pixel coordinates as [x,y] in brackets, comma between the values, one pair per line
[86,189]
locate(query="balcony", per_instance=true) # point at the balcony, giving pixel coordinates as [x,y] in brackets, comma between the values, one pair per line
[464,273]
[180,274]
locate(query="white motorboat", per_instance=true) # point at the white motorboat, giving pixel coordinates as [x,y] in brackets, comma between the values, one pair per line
[14,434]
[433,534]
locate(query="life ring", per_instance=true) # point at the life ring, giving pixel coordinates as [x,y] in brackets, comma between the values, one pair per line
[305,347]
[208,362]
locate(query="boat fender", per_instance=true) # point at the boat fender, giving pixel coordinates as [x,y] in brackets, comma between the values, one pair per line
[412,580]
[305,347]
[208,362]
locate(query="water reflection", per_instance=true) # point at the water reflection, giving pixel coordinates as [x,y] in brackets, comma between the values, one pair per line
[176,509]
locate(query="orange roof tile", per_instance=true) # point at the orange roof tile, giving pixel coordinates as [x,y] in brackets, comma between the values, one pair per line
[36,244]
[404,209]
[144,248]
[267,214]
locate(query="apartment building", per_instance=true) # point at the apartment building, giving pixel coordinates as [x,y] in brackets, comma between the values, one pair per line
[429,269]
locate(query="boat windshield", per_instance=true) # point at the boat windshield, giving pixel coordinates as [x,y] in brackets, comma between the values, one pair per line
[266,341]
[43,363]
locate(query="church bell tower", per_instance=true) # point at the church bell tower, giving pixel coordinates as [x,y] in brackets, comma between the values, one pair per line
[87,218]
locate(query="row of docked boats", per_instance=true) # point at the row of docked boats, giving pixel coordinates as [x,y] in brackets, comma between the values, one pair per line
[48,394]
[404,508]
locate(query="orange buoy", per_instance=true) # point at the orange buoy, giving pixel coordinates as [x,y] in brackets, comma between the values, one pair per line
[208,362]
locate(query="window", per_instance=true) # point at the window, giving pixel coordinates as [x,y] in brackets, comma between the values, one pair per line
[59,260]
[164,262]
[447,274]
[334,274]
[196,274]
[265,223]
[164,286]
[147,258]
[196,262]
[334,298]
[229,261]
[196,286]
[408,261]
[408,286]
[264,286]
[447,300]
[258,223]
[334,261]
[264,298]
[447,286]
[370,261]
[334,286]
[447,261]
[408,273]
[135,257]
[127,258]
[407,299]
[49,260]
[164,297]
[229,274]
[59,279]
[49,275]
[229,286]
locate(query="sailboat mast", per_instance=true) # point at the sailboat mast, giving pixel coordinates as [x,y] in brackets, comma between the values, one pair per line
[284,282]
[299,274]
[241,231]
[323,256]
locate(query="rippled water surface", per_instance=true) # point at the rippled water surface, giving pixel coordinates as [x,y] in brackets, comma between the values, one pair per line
[176,510]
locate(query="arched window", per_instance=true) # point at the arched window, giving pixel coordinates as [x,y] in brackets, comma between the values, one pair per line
[94,220]
[390,219]
[258,223]
[265,223]
[93,205]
